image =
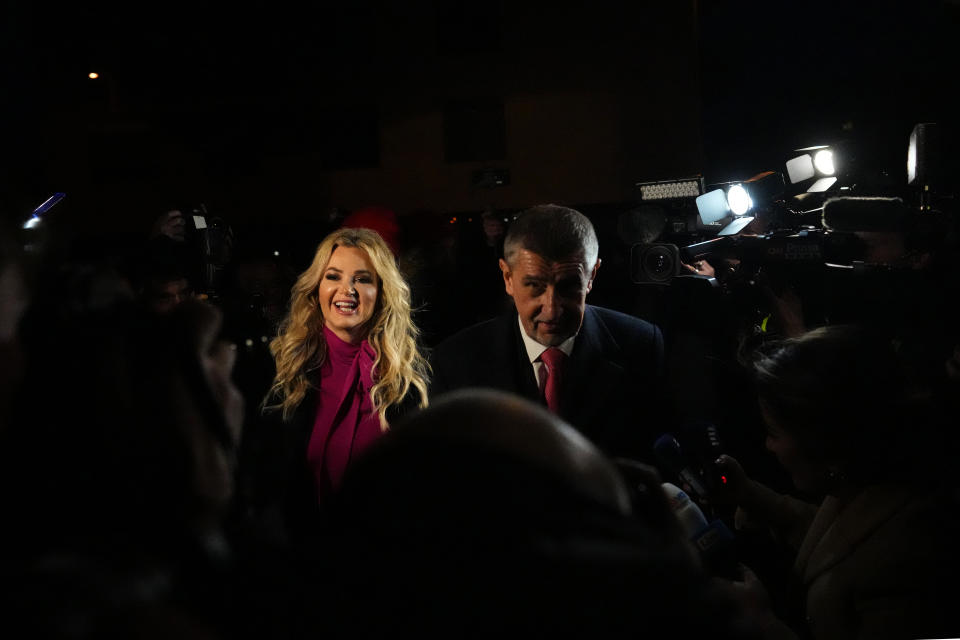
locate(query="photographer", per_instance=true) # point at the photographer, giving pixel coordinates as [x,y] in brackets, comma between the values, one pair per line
[863,443]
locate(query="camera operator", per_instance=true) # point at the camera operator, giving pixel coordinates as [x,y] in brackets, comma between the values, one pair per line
[863,444]
[171,224]
[764,295]
[166,274]
[206,240]
[700,268]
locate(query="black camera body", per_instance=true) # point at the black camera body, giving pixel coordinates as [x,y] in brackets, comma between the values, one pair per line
[807,246]
[210,240]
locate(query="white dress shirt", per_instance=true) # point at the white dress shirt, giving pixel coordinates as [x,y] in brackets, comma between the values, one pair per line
[535,349]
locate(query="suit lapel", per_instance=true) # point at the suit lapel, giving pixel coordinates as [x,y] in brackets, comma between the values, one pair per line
[595,376]
[501,361]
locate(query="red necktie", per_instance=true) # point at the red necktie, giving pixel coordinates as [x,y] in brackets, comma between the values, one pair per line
[553,359]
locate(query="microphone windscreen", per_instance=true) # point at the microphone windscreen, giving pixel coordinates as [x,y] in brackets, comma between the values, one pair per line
[864,214]
[667,451]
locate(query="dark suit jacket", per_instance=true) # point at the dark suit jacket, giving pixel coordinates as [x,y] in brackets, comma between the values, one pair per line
[612,381]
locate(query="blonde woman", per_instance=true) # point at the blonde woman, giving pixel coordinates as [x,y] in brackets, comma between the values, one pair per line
[347,361]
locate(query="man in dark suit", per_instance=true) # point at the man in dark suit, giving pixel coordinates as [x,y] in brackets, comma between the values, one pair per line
[612,363]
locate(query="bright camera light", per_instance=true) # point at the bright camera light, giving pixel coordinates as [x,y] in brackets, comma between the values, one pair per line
[739,200]
[712,206]
[800,168]
[912,159]
[812,161]
[823,161]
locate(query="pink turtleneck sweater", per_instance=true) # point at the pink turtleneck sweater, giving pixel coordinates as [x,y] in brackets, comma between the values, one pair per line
[346,422]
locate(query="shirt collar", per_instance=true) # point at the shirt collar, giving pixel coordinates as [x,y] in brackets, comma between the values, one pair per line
[535,349]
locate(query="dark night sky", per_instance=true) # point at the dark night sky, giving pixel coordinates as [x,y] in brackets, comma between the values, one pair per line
[772,78]
[817,72]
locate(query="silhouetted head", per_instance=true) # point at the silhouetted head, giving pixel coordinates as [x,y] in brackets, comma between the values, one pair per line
[486,447]
[840,403]
[484,511]
[136,448]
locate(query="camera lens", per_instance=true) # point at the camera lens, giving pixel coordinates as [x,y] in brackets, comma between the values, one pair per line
[655,263]
[659,264]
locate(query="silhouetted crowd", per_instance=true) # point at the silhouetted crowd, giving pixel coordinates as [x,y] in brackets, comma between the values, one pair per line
[150,490]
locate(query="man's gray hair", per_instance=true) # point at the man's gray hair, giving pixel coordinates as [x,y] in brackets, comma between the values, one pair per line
[553,232]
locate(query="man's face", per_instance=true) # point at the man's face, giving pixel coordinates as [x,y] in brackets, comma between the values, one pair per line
[550,296]
[169,293]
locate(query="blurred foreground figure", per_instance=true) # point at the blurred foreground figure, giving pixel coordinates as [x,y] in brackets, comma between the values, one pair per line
[485,512]
[117,468]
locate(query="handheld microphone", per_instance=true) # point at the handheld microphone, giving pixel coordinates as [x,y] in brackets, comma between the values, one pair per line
[670,457]
[703,447]
[713,539]
[692,520]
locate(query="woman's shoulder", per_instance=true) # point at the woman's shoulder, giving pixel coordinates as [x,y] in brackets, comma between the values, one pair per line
[908,525]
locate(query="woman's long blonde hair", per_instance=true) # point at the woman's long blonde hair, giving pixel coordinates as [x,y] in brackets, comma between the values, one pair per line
[300,348]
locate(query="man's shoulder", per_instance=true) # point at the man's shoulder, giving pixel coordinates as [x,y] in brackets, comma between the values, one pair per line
[619,321]
[615,331]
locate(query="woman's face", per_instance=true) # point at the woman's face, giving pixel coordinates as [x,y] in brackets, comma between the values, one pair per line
[347,293]
[808,475]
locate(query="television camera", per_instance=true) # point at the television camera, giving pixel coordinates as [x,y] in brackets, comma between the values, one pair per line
[840,241]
